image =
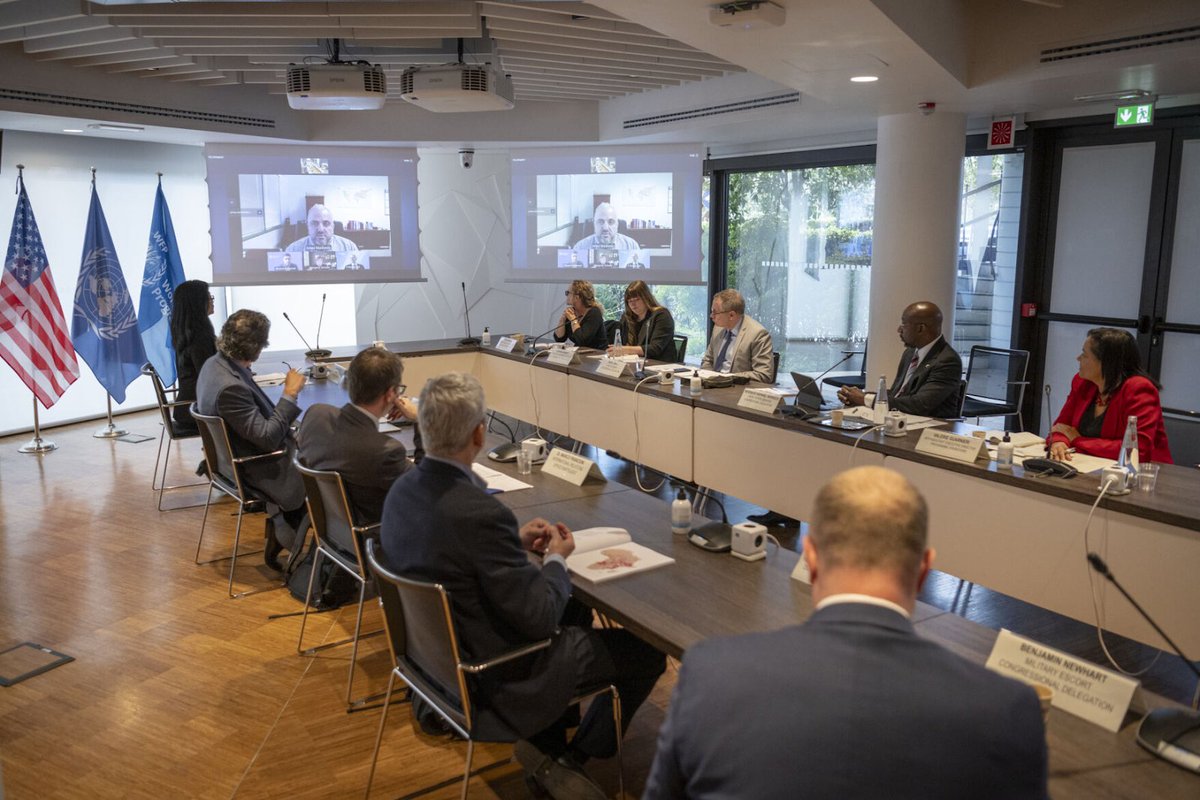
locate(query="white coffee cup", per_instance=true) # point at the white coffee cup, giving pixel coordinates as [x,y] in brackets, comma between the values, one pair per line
[537,448]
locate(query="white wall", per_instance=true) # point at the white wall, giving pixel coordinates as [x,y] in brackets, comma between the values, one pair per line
[57,178]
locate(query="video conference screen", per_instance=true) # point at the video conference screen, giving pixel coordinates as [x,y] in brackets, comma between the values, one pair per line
[300,214]
[607,214]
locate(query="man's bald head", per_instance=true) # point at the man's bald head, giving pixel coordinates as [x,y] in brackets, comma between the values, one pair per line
[606,223]
[920,324]
[871,520]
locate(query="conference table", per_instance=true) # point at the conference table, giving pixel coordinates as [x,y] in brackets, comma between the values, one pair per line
[707,594]
[1017,534]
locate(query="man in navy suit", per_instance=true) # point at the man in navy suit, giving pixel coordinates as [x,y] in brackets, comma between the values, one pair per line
[226,388]
[928,380]
[439,524]
[852,703]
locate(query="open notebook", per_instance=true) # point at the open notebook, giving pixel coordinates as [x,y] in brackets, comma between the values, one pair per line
[602,554]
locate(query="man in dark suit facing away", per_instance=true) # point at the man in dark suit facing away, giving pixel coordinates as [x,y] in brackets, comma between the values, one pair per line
[852,703]
[439,524]
[928,379]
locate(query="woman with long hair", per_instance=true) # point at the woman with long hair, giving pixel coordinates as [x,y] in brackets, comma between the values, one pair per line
[647,328]
[1111,386]
[194,340]
[583,320]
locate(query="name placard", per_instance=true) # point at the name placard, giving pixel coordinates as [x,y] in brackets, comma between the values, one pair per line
[613,367]
[800,571]
[951,446]
[570,467]
[563,356]
[759,400]
[1098,695]
[506,344]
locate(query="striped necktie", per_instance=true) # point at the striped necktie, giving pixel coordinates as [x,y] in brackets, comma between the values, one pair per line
[910,374]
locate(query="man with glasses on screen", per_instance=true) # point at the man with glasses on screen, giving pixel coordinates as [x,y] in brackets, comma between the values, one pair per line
[321,235]
[607,247]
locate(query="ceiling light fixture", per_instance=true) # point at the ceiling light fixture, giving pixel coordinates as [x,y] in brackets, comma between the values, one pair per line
[864,79]
[112,126]
[1121,94]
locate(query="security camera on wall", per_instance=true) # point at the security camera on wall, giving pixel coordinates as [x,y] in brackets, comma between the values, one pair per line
[466,157]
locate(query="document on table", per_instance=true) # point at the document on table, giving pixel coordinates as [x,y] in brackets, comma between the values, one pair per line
[912,420]
[270,378]
[497,481]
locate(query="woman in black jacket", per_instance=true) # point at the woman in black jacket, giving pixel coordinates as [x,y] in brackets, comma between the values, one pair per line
[194,340]
[647,328]
[583,320]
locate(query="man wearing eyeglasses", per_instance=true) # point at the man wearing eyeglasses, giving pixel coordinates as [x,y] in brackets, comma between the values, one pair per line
[347,440]
[740,345]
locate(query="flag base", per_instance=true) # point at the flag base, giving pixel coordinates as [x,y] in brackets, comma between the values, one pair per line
[37,445]
[109,431]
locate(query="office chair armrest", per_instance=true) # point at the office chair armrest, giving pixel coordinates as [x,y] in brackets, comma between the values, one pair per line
[175,403]
[475,667]
[260,456]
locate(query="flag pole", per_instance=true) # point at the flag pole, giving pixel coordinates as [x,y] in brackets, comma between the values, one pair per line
[109,431]
[37,444]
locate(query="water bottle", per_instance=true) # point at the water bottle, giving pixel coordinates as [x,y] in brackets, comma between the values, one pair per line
[1129,451]
[681,513]
[617,343]
[881,401]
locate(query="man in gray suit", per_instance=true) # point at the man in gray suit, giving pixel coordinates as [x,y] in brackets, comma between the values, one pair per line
[226,388]
[740,345]
[347,439]
[853,703]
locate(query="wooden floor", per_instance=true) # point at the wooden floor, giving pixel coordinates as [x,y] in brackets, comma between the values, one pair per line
[178,691]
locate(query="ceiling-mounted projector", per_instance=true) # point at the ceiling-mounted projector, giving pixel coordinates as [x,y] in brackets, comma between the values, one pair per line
[747,15]
[336,87]
[456,87]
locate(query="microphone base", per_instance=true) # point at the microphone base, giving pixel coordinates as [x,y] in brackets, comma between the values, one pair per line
[715,537]
[1172,734]
[319,353]
[467,342]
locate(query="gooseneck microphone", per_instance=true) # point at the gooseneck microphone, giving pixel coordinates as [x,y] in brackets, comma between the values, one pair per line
[298,333]
[469,339]
[1172,734]
[836,364]
[797,410]
[318,351]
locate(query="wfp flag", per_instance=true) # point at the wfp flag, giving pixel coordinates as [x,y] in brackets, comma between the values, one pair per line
[164,271]
[33,330]
[104,327]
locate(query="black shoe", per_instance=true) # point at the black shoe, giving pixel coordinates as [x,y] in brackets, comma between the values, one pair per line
[272,548]
[429,721]
[202,469]
[770,518]
[562,778]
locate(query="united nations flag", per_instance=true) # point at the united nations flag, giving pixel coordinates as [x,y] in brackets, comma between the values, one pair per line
[104,326]
[164,271]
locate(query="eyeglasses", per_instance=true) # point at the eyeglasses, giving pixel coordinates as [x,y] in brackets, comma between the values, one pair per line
[569,293]
[718,313]
[400,387]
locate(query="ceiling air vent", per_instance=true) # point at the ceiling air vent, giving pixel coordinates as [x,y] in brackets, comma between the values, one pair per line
[789,98]
[1120,44]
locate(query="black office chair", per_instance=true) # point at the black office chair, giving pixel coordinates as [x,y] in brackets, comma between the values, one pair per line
[172,431]
[995,383]
[775,366]
[681,342]
[332,520]
[859,382]
[419,621]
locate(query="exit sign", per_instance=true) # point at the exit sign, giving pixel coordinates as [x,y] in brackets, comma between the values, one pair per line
[1134,115]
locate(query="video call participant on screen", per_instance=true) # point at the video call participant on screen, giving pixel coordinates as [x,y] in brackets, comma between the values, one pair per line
[583,320]
[648,328]
[440,524]
[1110,387]
[226,388]
[929,376]
[606,247]
[740,345]
[320,234]
[857,705]
[286,264]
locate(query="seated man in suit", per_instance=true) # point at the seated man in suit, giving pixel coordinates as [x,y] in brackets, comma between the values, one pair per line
[740,345]
[856,704]
[226,388]
[928,379]
[439,524]
[347,440]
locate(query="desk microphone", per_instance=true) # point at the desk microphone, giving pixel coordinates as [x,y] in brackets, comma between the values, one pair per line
[1172,734]
[531,347]
[318,351]
[469,340]
[797,410]
[836,364]
[715,537]
[311,353]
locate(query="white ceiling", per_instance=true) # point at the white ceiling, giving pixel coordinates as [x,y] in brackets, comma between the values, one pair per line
[580,68]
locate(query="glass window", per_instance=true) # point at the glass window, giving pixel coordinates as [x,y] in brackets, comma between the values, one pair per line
[799,251]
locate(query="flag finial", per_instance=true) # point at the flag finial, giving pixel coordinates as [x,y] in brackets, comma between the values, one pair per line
[93,177]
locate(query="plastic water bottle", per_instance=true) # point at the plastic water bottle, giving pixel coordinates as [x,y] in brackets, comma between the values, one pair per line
[1129,450]
[617,342]
[881,401]
[681,513]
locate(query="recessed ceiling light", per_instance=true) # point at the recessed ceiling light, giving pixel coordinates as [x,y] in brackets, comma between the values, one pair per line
[864,79]
[72,130]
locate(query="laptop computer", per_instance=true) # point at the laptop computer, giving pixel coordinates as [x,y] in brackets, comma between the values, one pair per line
[808,402]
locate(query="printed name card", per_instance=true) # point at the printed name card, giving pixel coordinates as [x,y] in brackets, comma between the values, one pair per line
[570,467]
[506,344]
[800,571]
[1099,696]
[951,446]
[563,356]
[763,400]
[613,367]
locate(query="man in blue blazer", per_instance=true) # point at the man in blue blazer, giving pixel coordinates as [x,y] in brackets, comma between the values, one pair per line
[226,388]
[439,524]
[928,379]
[852,703]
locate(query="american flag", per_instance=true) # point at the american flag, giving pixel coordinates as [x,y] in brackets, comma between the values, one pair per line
[33,331]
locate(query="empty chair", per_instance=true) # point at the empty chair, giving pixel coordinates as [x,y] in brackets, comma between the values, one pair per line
[995,383]
[681,342]
[857,381]
[172,431]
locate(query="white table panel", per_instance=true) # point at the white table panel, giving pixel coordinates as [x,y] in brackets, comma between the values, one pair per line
[529,393]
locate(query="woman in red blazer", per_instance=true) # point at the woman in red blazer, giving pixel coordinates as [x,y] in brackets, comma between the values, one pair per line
[1110,387]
